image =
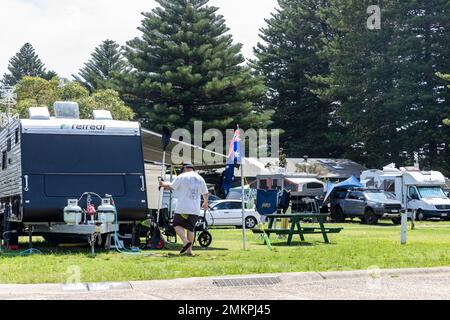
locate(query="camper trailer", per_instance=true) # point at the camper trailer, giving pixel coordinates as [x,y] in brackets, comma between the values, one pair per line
[419,191]
[54,168]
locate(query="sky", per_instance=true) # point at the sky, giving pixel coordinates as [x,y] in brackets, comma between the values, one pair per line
[64,33]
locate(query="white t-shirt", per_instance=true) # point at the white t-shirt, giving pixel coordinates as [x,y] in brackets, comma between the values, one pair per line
[189,187]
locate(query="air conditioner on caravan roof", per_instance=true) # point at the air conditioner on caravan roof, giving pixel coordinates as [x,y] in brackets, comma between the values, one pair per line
[39,113]
[102,115]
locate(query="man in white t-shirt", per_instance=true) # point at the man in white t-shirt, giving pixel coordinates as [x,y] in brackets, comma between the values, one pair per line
[190,186]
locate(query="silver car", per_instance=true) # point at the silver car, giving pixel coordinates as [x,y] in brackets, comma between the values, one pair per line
[229,213]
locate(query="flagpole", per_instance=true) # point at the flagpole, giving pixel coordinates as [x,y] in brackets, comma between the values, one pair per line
[244,237]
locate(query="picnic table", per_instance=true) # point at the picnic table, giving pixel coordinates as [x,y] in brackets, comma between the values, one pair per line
[297,228]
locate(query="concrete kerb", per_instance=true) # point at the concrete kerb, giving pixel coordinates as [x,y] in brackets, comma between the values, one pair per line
[185,283]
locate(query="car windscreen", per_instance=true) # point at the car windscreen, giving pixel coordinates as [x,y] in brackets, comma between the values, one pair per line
[431,192]
[379,196]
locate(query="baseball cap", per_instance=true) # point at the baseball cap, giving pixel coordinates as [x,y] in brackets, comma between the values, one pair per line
[188,165]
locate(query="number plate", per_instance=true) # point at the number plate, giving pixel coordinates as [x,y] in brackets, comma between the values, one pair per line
[394,211]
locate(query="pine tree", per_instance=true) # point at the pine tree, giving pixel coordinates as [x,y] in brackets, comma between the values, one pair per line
[288,59]
[446,121]
[421,49]
[390,102]
[445,77]
[359,82]
[185,67]
[106,64]
[25,63]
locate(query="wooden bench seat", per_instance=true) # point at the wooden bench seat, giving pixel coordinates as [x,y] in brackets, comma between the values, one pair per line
[268,231]
[311,230]
[307,230]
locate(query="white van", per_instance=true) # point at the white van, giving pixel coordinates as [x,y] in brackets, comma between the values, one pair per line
[417,190]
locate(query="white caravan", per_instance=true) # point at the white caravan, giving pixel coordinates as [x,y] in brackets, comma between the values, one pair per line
[421,190]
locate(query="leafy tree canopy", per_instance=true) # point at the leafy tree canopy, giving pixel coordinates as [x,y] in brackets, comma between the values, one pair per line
[38,92]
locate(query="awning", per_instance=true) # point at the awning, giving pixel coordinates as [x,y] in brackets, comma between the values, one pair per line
[352,182]
[301,181]
[153,151]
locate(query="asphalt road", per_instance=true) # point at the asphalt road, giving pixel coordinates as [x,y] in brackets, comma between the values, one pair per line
[415,284]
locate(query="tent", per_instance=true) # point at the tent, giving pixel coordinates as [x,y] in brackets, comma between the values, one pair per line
[329,186]
[351,182]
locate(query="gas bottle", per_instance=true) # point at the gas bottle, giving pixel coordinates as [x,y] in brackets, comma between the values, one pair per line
[73,213]
[106,212]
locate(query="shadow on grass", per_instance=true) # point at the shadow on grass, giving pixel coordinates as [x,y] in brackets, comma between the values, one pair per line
[381,223]
[282,243]
[50,249]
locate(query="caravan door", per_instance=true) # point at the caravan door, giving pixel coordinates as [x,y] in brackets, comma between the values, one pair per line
[413,198]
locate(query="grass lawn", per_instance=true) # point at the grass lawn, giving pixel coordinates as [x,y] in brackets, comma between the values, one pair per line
[357,247]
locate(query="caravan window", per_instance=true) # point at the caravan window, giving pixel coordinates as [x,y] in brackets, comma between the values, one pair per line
[389,185]
[4,160]
[370,183]
[276,183]
[263,184]
[17,136]
[314,185]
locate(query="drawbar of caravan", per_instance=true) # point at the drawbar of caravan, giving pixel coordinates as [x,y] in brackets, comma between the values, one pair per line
[48,163]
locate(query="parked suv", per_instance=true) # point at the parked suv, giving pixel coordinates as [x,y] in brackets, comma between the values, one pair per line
[368,205]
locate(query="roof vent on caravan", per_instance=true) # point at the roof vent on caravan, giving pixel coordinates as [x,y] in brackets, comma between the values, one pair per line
[102,115]
[66,110]
[40,113]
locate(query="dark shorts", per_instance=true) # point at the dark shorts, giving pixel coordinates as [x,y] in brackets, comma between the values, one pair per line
[187,222]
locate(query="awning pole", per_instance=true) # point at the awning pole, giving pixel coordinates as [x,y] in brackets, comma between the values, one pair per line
[243,205]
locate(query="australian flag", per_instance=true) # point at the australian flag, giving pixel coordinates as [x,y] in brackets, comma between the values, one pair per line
[234,157]
[234,154]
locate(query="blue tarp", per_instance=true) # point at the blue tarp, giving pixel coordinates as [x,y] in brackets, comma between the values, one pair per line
[351,182]
[329,186]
